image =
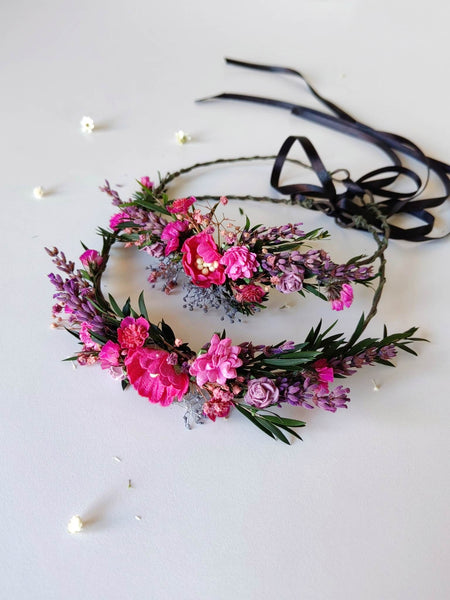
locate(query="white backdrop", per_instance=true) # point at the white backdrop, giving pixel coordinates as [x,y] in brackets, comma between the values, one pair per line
[360,508]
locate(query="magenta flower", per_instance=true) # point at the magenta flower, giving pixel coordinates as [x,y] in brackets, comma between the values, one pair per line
[171,234]
[181,205]
[118,218]
[324,371]
[91,258]
[201,260]
[345,299]
[85,337]
[146,182]
[218,364]
[109,355]
[132,332]
[239,262]
[154,378]
[261,392]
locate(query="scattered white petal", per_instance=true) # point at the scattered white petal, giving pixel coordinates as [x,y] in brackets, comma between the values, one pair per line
[117,458]
[376,387]
[38,192]
[87,125]
[138,518]
[182,137]
[75,524]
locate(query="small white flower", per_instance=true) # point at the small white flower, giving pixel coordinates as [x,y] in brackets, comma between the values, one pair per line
[87,125]
[182,137]
[75,524]
[38,192]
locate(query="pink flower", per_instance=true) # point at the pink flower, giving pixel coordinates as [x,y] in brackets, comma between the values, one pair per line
[216,408]
[323,370]
[132,332]
[171,235]
[151,375]
[145,181]
[240,262]
[85,337]
[91,258]
[251,293]
[223,200]
[201,260]
[345,299]
[109,355]
[181,205]
[118,218]
[218,364]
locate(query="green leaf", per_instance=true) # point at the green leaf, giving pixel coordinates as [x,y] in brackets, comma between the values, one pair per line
[273,429]
[115,306]
[124,383]
[142,306]
[126,310]
[167,332]
[253,420]
[279,420]
[313,290]
[71,358]
[74,333]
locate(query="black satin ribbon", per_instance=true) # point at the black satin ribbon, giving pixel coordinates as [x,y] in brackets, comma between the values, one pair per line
[347,205]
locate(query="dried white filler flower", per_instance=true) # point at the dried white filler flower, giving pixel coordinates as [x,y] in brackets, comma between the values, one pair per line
[87,125]
[182,137]
[38,192]
[75,524]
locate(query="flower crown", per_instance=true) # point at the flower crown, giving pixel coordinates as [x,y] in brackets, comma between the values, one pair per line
[233,268]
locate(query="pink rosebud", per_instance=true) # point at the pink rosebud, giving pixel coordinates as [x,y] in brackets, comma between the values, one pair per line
[146,182]
[132,332]
[201,260]
[91,258]
[181,205]
[223,200]
[345,299]
[240,262]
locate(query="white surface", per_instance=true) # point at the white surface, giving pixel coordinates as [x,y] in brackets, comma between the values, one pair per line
[360,508]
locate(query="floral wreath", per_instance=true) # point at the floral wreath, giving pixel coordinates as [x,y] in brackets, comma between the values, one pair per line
[232,268]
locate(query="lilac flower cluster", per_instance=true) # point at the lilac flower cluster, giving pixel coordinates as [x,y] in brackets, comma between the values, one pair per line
[302,392]
[348,365]
[274,234]
[73,294]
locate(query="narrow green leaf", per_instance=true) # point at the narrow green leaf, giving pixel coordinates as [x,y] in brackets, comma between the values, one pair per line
[273,429]
[115,306]
[126,310]
[142,306]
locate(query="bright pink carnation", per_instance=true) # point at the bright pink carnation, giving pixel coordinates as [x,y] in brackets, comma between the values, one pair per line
[154,378]
[239,262]
[171,234]
[146,182]
[345,299]
[91,257]
[201,260]
[218,364]
[132,332]
[109,355]
[181,205]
